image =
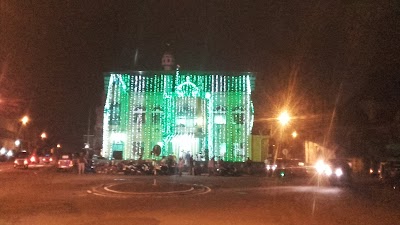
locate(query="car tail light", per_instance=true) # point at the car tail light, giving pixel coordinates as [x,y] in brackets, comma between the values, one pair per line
[70,163]
[16,161]
[33,159]
[25,162]
[51,159]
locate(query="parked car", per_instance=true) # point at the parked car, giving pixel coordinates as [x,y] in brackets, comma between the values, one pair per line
[23,160]
[286,168]
[65,162]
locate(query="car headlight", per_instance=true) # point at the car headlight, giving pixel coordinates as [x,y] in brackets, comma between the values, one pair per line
[339,172]
[328,171]
[3,151]
[320,166]
[10,153]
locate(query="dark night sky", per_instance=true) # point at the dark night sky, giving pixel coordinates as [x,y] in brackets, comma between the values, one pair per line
[53,53]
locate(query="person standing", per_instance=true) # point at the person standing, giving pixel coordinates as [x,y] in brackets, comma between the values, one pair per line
[181,163]
[211,165]
[191,165]
[249,163]
[81,163]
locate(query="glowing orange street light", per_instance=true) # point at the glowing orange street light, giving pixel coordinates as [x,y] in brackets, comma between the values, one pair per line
[294,134]
[43,135]
[25,120]
[284,118]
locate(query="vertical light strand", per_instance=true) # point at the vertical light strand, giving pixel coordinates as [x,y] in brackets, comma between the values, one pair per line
[211,80]
[130,122]
[249,118]
[106,118]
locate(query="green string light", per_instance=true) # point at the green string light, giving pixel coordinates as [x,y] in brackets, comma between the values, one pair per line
[190,120]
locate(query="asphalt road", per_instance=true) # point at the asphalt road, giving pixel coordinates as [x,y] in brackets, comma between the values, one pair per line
[44,196]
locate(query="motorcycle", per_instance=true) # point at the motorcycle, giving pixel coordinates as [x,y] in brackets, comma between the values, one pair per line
[130,169]
[229,170]
[145,169]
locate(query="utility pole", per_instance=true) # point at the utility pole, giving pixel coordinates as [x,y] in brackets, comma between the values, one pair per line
[88,136]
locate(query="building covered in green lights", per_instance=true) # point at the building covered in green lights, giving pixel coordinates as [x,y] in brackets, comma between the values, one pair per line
[200,113]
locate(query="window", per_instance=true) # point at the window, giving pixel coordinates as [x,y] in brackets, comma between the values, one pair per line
[114,114]
[184,110]
[238,115]
[220,115]
[139,115]
[156,115]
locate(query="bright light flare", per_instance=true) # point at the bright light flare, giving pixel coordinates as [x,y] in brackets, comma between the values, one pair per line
[328,171]
[338,172]
[284,118]
[9,153]
[271,167]
[25,120]
[320,166]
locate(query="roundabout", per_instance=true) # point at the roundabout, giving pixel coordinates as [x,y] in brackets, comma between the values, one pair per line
[134,189]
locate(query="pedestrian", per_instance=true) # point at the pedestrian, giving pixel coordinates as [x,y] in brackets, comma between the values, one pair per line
[211,165]
[81,163]
[181,163]
[248,165]
[191,165]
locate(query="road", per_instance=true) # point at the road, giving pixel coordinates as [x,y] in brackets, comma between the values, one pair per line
[44,196]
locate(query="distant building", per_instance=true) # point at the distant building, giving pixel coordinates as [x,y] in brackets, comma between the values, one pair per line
[200,113]
[8,133]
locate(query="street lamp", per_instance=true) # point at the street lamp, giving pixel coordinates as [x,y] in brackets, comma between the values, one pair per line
[25,120]
[284,118]
[43,135]
[17,143]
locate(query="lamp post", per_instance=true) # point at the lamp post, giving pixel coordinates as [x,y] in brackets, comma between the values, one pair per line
[43,136]
[24,121]
[284,119]
[18,144]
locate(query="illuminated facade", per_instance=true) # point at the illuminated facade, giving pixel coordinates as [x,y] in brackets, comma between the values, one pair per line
[204,114]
